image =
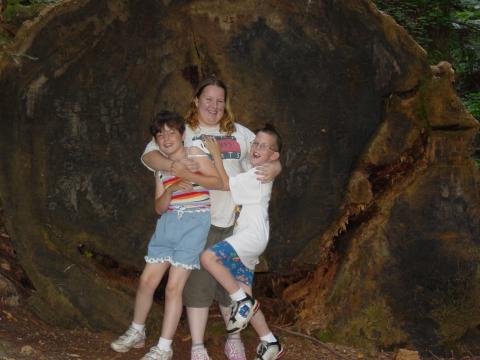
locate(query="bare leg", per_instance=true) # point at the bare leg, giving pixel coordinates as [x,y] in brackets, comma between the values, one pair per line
[259,323]
[215,267]
[173,300]
[197,322]
[149,280]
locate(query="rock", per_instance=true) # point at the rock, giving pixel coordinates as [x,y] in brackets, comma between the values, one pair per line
[27,350]
[404,354]
[8,293]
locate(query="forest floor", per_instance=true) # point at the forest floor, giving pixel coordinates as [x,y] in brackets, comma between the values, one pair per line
[24,336]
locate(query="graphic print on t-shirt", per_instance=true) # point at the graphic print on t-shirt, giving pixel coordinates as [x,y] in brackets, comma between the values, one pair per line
[229,146]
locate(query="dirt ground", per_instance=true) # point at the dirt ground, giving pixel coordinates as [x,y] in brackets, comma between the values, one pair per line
[24,336]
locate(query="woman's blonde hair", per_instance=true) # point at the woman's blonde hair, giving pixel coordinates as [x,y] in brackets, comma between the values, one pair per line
[227,122]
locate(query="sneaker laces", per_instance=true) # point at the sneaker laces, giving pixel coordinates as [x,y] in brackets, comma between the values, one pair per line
[234,309]
[129,333]
[262,348]
[155,351]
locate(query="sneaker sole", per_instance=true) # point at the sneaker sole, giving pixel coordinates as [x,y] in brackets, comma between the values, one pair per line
[127,349]
[253,312]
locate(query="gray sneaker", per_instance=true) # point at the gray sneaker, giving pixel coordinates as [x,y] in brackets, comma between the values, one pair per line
[269,350]
[131,339]
[158,354]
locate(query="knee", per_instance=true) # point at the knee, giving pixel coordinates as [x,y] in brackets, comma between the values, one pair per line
[173,290]
[147,283]
[207,258]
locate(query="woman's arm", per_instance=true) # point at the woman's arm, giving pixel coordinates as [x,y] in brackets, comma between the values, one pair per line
[153,159]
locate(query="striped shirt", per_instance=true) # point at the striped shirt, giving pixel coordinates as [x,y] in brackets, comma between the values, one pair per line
[197,199]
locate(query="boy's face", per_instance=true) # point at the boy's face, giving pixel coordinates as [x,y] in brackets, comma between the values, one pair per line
[263,149]
[169,140]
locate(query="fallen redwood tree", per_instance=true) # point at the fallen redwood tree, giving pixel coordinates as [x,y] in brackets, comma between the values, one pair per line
[378,200]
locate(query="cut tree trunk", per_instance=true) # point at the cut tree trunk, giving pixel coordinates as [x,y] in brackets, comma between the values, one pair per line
[378,197]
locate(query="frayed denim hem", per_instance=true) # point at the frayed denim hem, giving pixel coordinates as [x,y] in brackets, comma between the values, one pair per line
[170,260]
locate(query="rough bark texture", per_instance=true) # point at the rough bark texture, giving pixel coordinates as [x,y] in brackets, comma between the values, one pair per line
[378,192]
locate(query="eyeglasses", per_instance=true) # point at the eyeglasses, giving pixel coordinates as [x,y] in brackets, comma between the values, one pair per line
[262,146]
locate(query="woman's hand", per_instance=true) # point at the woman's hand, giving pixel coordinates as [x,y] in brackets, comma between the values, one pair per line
[178,168]
[191,165]
[268,171]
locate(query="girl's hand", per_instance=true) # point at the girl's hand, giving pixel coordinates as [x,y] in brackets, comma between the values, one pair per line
[181,185]
[212,145]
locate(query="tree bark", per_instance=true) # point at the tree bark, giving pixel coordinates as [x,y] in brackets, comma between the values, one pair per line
[377,186]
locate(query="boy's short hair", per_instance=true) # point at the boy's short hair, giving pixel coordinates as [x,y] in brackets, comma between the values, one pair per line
[271,130]
[171,119]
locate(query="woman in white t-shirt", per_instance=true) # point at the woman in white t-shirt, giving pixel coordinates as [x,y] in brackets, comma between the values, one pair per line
[210,114]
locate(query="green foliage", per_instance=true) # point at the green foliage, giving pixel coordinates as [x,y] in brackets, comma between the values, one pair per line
[375,326]
[448,30]
[18,11]
[472,103]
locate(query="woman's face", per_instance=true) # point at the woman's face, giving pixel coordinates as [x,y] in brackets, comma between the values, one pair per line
[210,105]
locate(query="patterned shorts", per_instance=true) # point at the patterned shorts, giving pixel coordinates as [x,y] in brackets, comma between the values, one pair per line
[232,262]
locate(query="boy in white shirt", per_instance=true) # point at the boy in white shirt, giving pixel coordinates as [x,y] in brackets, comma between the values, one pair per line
[232,261]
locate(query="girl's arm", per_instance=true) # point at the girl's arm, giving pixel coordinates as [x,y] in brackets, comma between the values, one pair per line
[214,149]
[163,196]
[208,176]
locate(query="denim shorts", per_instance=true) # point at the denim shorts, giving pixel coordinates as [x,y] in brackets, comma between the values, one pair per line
[232,262]
[179,238]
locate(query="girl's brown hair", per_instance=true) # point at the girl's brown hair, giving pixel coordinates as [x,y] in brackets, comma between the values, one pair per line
[227,124]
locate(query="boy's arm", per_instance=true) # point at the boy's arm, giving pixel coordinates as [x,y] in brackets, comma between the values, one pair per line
[208,176]
[214,149]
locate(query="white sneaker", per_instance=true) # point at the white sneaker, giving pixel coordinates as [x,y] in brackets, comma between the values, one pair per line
[199,353]
[242,312]
[131,339]
[158,354]
[269,350]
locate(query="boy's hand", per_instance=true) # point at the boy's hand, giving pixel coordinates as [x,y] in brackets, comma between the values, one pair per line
[212,145]
[181,185]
